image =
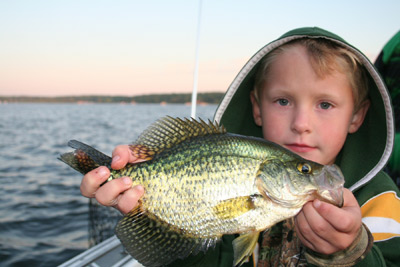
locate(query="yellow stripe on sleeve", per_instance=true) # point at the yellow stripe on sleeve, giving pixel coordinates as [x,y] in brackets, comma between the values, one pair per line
[382,216]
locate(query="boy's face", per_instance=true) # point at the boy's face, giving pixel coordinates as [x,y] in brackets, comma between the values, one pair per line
[309,115]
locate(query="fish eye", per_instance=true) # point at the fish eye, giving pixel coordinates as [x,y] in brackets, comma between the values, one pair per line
[304,168]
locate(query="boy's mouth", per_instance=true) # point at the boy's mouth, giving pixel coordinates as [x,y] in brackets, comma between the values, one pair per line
[300,148]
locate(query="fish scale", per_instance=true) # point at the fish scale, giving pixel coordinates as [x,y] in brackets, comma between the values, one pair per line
[202,182]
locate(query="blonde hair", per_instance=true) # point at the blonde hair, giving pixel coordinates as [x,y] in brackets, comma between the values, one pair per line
[325,57]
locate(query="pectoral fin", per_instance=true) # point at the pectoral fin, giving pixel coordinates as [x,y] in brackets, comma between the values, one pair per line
[233,207]
[243,247]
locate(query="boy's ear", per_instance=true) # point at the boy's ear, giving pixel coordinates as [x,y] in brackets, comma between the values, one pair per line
[256,109]
[358,117]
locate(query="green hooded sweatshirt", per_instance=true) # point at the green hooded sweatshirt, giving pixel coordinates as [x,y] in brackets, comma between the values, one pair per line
[388,65]
[361,160]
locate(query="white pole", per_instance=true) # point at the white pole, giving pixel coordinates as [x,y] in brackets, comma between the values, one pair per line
[196,67]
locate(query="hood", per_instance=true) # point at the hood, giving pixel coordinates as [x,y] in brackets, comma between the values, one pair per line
[364,153]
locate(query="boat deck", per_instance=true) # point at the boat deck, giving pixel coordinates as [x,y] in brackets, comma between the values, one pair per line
[109,253]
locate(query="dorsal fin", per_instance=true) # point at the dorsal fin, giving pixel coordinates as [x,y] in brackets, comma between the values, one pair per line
[167,132]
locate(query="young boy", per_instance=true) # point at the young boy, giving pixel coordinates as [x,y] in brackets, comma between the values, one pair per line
[312,93]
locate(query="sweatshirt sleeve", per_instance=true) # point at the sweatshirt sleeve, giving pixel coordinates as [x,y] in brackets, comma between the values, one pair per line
[381,213]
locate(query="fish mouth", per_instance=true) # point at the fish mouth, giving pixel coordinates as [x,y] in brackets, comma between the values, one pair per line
[331,183]
[334,197]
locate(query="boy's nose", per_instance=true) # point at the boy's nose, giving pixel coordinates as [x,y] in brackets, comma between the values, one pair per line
[301,121]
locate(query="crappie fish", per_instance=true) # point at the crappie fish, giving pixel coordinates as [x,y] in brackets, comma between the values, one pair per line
[202,182]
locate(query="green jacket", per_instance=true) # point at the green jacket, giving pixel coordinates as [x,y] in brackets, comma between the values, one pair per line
[388,65]
[362,158]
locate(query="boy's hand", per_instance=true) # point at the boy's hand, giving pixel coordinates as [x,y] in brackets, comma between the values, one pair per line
[118,192]
[325,228]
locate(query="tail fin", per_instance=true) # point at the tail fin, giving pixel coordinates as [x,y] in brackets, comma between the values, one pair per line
[85,158]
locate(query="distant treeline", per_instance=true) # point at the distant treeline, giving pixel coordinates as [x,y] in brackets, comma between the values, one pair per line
[211,98]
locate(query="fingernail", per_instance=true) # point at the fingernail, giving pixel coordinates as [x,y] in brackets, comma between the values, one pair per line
[116,159]
[317,203]
[103,171]
[139,188]
[126,180]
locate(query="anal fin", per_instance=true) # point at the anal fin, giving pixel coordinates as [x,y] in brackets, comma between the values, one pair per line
[153,242]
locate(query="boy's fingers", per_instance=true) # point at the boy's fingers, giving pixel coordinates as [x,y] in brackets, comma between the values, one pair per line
[92,181]
[129,199]
[301,223]
[313,227]
[108,194]
[120,157]
[326,228]
[345,219]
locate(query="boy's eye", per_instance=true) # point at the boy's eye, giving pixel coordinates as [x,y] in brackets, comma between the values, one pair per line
[325,105]
[283,102]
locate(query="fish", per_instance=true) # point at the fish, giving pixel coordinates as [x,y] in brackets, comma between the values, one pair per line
[202,182]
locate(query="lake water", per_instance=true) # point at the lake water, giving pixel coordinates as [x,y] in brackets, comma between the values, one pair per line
[43,217]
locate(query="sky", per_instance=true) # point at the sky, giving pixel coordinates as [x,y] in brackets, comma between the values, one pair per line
[130,47]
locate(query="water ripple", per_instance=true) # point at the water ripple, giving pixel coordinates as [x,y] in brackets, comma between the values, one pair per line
[43,217]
